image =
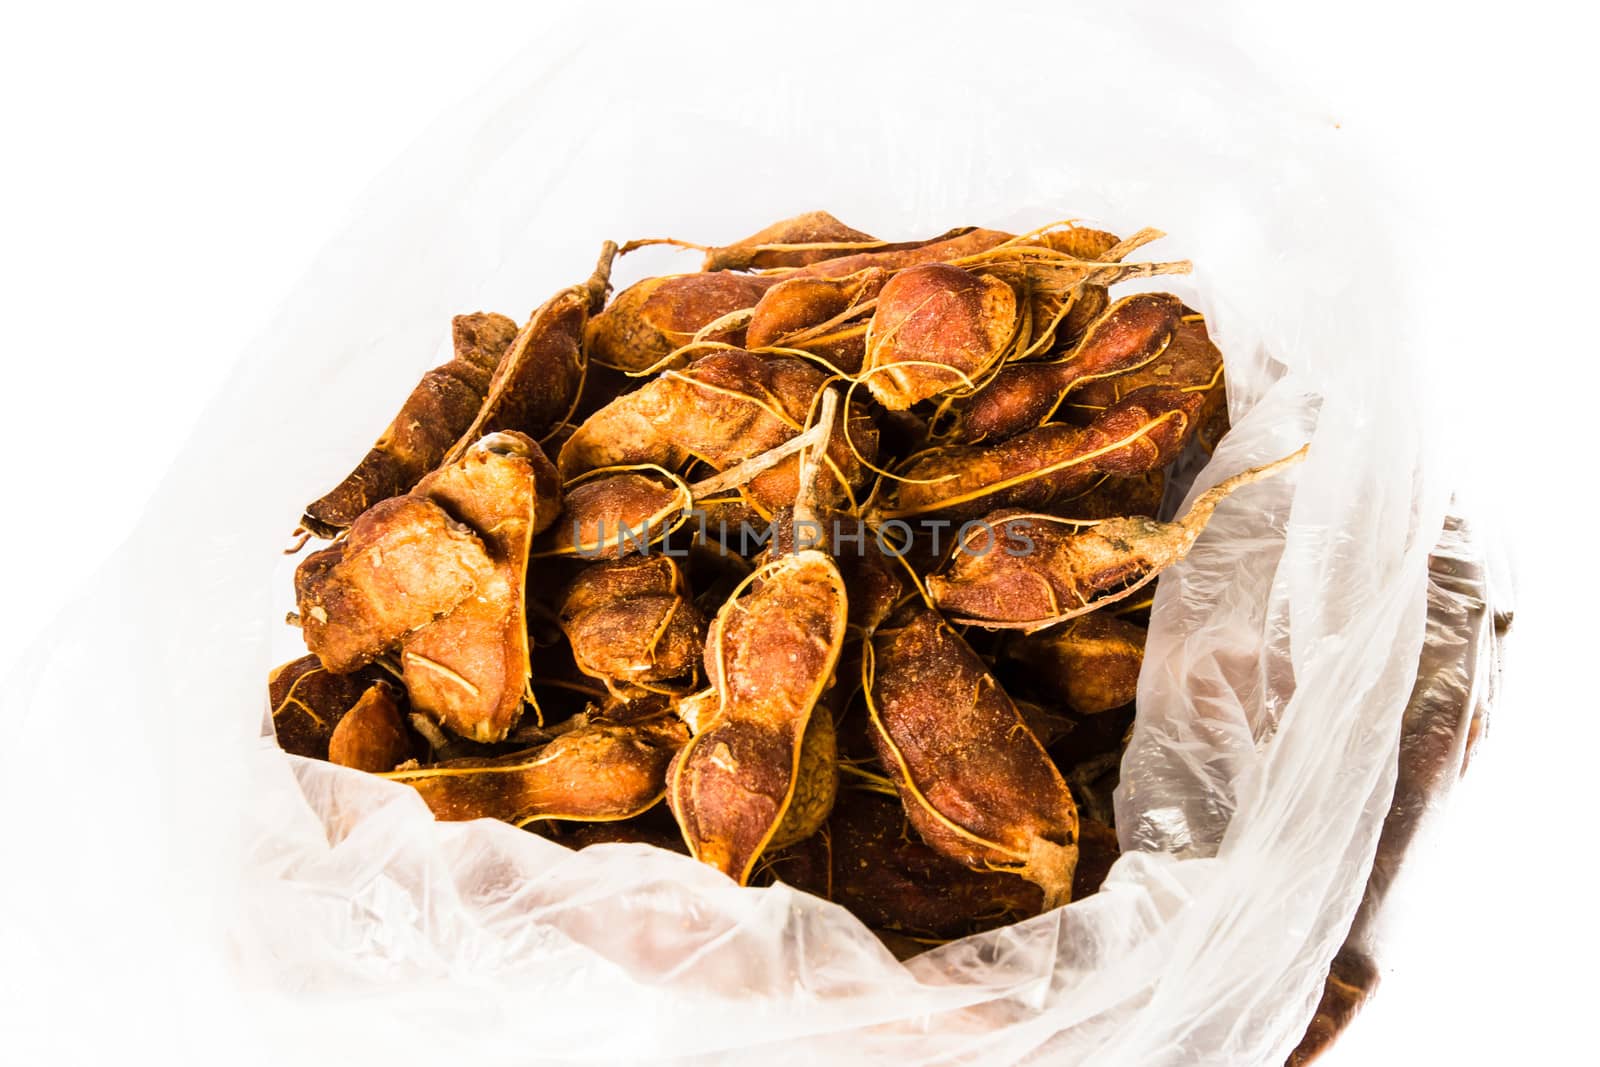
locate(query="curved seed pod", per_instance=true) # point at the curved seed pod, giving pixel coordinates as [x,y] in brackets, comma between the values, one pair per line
[536,384]
[931,318]
[823,316]
[1071,571]
[372,736]
[437,412]
[308,700]
[607,515]
[975,782]
[770,654]
[1142,432]
[648,321]
[794,242]
[726,408]
[870,862]
[1089,664]
[875,581]
[942,249]
[1133,332]
[1090,301]
[596,772]
[404,563]
[469,670]
[1190,362]
[631,622]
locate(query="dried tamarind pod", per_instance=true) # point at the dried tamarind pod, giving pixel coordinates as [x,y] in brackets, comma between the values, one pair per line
[936,328]
[652,319]
[793,242]
[1115,496]
[1090,664]
[1071,570]
[726,408]
[1189,362]
[469,670]
[596,772]
[955,245]
[607,513]
[437,412]
[770,653]
[1132,333]
[404,563]
[1142,432]
[1090,301]
[976,783]
[876,583]
[871,862]
[372,735]
[536,383]
[308,700]
[632,623]
[824,316]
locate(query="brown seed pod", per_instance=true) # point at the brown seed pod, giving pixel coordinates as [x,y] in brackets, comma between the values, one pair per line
[942,249]
[434,416]
[595,772]
[1132,333]
[632,623]
[1089,664]
[652,319]
[308,700]
[1140,433]
[975,782]
[936,328]
[827,317]
[870,861]
[1087,303]
[794,242]
[1190,362]
[770,653]
[404,563]
[1112,496]
[609,513]
[372,735]
[536,384]
[469,670]
[724,409]
[1071,570]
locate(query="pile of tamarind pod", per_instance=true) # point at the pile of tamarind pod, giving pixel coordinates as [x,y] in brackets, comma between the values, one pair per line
[827,563]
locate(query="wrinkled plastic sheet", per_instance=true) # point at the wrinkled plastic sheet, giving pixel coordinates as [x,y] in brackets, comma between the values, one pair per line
[1282,652]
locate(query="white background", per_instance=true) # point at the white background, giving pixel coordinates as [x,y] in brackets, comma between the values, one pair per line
[171,169]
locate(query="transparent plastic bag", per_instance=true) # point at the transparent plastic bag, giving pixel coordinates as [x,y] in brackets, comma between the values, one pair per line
[1281,653]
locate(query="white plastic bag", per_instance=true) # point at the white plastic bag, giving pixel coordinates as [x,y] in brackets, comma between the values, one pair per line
[1280,655]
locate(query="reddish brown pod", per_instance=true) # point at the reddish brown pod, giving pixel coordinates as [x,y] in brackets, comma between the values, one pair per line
[308,700]
[612,512]
[1140,433]
[1132,333]
[825,317]
[976,783]
[936,328]
[1070,569]
[538,380]
[770,654]
[955,245]
[470,669]
[405,562]
[632,623]
[438,411]
[1190,362]
[597,771]
[726,408]
[649,321]
[793,242]
[372,735]
[1088,664]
